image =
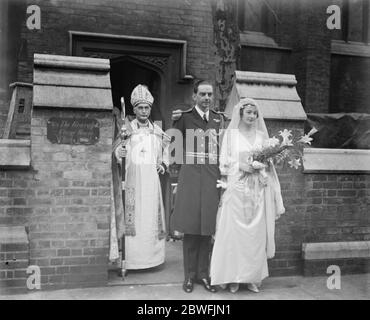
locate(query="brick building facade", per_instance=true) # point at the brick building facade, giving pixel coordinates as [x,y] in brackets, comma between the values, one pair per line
[168,44]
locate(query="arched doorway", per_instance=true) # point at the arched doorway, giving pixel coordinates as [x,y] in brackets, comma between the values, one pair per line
[126,73]
[160,64]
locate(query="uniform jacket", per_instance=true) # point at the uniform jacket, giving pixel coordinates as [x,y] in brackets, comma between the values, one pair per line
[197,197]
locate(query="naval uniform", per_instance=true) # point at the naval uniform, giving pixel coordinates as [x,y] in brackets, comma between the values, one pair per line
[197,196]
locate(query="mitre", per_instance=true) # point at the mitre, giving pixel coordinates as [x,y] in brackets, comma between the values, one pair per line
[141,94]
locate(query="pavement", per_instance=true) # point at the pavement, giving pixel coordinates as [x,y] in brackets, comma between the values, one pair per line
[352,287]
[165,283]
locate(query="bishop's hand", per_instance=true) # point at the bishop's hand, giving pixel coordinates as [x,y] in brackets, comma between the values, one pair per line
[160,169]
[120,152]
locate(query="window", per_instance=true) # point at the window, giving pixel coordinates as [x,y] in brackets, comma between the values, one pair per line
[354,21]
[257,16]
[261,36]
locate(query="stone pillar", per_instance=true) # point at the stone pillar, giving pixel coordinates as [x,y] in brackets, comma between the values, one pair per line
[227,43]
[18,122]
[71,143]
[312,54]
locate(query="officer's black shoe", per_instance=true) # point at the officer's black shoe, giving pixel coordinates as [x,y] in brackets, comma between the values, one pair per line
[207,285]
[188,285]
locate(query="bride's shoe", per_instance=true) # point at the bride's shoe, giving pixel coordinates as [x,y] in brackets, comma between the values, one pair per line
[223,286]
[252,287]
[234,287]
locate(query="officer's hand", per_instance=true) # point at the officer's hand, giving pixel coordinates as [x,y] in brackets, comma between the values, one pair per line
[176,114]
[221,184]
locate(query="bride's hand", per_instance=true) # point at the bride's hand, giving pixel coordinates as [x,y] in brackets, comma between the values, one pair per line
[246,167]
[258,165]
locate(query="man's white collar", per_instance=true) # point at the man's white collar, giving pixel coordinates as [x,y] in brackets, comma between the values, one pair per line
[201,113]
[139,125]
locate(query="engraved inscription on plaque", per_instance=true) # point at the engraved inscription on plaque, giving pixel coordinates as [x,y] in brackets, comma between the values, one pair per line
[73,131]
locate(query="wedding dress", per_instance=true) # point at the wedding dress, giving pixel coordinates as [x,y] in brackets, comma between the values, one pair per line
[244,238]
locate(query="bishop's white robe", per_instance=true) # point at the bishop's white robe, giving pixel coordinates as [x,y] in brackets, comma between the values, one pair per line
[143,197]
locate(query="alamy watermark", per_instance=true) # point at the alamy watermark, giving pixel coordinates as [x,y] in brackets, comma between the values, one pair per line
[334,280]
[34,19]
[34,280]
[334,20]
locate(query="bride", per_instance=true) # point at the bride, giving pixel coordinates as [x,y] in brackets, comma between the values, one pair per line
[252,201]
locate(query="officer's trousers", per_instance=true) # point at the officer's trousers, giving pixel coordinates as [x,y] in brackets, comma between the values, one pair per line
[196,251]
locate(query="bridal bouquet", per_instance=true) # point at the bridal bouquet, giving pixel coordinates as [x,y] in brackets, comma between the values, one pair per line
[288,148]
[277,150]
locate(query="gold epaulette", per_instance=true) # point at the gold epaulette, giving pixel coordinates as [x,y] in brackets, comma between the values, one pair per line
[187,110]
[221,113]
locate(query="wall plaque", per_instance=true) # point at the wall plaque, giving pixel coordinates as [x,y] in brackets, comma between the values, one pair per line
[73,131]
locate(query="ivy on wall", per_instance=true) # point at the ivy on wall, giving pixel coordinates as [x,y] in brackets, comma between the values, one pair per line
[227,42]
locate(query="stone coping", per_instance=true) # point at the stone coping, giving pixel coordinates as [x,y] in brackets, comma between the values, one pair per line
[336,250]
[14,143]
[21,84]
[336,160]
[265,78]
[275,93]
[71,82]
[13,234]
[259,40]
[15,153]
[68,62]
[357,49]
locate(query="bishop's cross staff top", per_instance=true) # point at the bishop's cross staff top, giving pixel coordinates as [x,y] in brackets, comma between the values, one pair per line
[124,129]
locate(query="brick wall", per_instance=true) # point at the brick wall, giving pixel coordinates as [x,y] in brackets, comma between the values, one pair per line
[319,208]
[14,260]
[69,230]
[65,203]
[174,19]
[301,25]
[15,193]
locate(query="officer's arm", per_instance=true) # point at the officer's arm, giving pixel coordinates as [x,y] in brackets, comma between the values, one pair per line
[179,124]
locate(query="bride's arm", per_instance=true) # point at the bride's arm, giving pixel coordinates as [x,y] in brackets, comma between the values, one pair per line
[229,162]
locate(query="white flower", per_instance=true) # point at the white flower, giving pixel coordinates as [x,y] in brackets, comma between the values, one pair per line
[272,142]
[285,134]
[295,163]
[305,139]
[257,150]
[312,131]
